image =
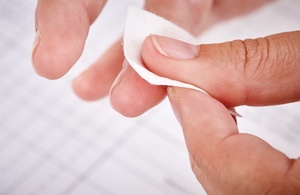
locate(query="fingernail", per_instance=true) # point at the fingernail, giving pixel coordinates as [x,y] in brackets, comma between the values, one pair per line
[120,75]
[34,46]
[174,103]
[117,80]
[176,49]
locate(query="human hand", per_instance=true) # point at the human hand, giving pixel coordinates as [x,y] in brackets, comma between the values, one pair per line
[62,28]
[262,71]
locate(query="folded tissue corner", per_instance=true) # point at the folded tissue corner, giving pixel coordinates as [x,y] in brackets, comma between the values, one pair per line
[140,24]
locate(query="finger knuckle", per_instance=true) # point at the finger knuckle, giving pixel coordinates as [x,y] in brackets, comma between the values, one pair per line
[257,53]
[252,63]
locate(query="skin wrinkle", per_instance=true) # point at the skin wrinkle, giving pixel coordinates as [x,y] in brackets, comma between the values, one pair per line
[240,66]
[257,56]
[279,60]
[238,57]
[291,54]
[252,63]
[279,73]
[265,57]
[268,56]
[252,57]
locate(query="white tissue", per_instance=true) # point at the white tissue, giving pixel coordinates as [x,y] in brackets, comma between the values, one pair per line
[140,24]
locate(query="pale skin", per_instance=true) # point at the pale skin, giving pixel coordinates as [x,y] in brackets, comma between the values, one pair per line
[264,71]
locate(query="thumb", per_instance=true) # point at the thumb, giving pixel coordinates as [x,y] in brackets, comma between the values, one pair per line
[261,71]
[221,157]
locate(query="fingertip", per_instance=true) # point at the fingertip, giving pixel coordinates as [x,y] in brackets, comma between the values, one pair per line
[131,95]
[84,87]
[50,69]
[154,60]
[148,50]
[62,28]
[51,59]
[158,55]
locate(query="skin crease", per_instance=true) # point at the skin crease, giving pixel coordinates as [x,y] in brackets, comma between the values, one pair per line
[220,157]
